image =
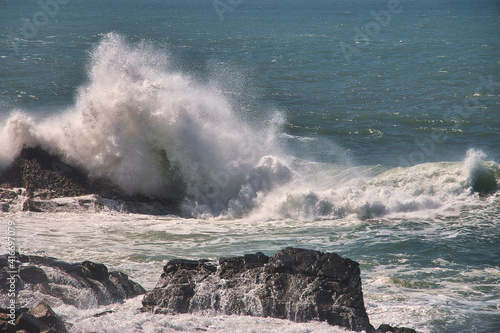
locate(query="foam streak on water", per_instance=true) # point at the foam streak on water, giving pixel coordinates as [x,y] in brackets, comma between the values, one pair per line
[419,273]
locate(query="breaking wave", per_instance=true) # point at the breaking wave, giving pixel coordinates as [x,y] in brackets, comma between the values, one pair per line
[154,130]
[420,191]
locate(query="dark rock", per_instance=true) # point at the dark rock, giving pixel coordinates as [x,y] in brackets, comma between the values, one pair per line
[40,319]
[296,284]
[29,323]
[90,278]
[33,275]
[4,207]
[94,271]
[30,206]
[46,176]
[120,285]
[384,328]
[44,313]
[37,170]
[100,314]
[7,194]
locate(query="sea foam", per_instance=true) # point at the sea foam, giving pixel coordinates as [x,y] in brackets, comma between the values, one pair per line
[153,130]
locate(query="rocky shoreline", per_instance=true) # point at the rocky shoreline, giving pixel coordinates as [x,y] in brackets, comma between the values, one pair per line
[295,284]
[50,281]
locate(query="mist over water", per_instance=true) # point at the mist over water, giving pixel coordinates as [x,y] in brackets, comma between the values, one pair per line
[154,130]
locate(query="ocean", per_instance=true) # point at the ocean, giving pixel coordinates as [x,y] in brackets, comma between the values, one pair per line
[366,128]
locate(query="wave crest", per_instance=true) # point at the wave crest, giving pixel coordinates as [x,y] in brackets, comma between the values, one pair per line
[148,128]
[156,131]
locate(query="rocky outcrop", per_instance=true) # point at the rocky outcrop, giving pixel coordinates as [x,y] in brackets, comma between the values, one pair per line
[39,319]
[36,178]
[83,285]
[296,284]
[384,328]
[38,171]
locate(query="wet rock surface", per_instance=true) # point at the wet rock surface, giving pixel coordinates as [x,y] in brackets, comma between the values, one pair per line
[39,319]
[80,284]
[295,284]
[37,170]
[384,328]
[36,178]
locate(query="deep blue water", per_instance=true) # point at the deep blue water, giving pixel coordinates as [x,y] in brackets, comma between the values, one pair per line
[420,84]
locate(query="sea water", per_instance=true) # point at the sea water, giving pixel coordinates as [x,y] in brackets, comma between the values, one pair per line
[365,128]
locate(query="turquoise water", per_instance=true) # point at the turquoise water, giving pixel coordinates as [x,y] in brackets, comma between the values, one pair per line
[384,115]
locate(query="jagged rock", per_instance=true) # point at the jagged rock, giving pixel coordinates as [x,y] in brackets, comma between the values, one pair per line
[45,176]
[29,323]
[51,278]
[384,328]
[4,207]
[44,313]
[7,196]
[29,205]
[296,284]
[40,319]
[38,171]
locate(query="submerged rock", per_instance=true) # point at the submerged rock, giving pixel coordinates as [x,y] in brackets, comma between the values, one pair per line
[82,285]
[295,284]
